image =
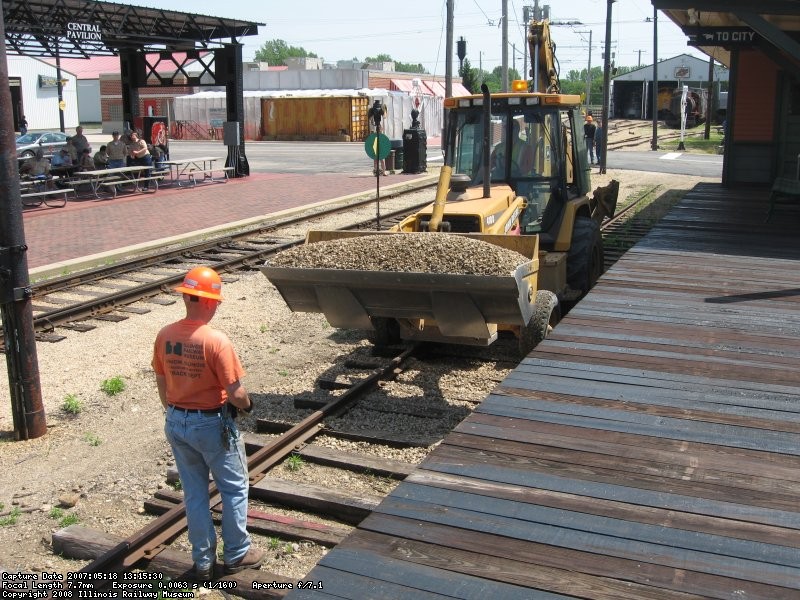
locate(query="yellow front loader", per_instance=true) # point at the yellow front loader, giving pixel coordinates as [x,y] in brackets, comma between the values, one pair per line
[516,175]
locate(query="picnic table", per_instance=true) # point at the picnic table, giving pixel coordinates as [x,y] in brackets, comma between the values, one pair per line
[112,180]
[187,171]
[37,190]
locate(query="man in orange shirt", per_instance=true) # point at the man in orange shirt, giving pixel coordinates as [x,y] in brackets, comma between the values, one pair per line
[198,376]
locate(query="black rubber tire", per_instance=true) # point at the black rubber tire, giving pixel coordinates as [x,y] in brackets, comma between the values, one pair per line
[387,332]
[27,154]
[546,315]
[585,260]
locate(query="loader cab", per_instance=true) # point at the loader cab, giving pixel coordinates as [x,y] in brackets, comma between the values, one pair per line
[533,149]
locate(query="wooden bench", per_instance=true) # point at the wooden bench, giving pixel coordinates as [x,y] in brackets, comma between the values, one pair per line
[36,198]
[784,191]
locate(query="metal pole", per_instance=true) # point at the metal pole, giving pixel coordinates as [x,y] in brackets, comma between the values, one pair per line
[606,86]
[15,292]
[589,74]
[448,63]
[710,95]
[60,90]
[525,19]
[654,141]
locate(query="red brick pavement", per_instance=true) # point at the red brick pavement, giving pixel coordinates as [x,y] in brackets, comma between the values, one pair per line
[89,226]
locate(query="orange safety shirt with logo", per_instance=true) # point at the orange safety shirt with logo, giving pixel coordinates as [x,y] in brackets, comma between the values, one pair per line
[197,362]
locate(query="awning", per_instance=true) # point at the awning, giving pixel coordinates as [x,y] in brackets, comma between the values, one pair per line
[427,87]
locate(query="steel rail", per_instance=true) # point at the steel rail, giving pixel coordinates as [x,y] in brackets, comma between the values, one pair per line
[158,257]
[622,214]
[104,303]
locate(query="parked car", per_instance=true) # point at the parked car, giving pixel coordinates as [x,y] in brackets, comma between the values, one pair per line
[49,141]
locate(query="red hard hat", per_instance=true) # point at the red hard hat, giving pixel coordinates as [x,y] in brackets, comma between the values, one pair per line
[202,281]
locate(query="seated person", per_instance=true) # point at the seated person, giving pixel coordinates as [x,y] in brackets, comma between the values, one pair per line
[62,158]
[522,155]
[86,162]
[158,156]
[101,158]
[72,149]
[37,167]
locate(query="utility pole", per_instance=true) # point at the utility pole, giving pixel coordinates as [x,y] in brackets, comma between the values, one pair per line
[526,17]
[27,410]
[606,85]
[514,56]
[504,27]
[639,64]
[588,70]
[654,141]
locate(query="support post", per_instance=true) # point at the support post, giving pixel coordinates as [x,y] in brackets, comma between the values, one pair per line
[606,86]
[228,61]
[709,99]
[654,141]
[60,87]
[15,293]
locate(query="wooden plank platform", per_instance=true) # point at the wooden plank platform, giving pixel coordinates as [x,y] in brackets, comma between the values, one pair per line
[650,448]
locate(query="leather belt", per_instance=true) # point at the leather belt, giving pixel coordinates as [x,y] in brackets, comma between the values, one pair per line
[205,411]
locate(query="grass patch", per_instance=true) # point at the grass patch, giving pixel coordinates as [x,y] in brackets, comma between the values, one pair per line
[56,513]
[113,386]
[295,462]
[176,485]
[68,520]
[71,404]
[92,439]
[11,518]
[695,143]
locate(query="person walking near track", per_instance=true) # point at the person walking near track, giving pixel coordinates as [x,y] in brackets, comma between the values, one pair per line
[198,375]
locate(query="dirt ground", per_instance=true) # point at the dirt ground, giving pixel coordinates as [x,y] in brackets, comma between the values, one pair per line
[96,467]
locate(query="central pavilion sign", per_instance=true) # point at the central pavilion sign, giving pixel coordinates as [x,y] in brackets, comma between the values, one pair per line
[84,32]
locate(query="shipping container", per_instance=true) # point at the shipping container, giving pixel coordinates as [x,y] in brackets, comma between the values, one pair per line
[315,118]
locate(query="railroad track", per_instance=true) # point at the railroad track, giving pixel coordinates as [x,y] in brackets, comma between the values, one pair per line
[146,556]
[633,222]
[107,293]
[152,543]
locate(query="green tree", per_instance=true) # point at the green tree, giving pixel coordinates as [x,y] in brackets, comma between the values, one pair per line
[470,78]
[275,52]
[494,80]
[398,65]
[409,67]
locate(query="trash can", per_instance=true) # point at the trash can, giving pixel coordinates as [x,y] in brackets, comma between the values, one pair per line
[415,151]
[390,161]
[397,150]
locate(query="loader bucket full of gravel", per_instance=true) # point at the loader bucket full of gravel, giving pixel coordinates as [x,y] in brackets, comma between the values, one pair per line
[458,285]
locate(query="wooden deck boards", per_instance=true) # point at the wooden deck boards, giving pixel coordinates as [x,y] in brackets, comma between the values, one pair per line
[650,448]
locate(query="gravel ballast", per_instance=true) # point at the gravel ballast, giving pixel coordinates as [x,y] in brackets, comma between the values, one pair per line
[438,253]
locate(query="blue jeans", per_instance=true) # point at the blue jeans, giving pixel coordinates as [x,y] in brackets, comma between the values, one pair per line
[196,440]
[114,163]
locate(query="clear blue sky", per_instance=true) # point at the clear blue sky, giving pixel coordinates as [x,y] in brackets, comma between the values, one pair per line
[413,31]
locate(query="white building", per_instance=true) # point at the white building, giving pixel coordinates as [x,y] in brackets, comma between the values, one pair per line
[34,94]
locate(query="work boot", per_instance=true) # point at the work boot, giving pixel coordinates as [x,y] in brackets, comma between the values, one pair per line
[251,560]
[206,574]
